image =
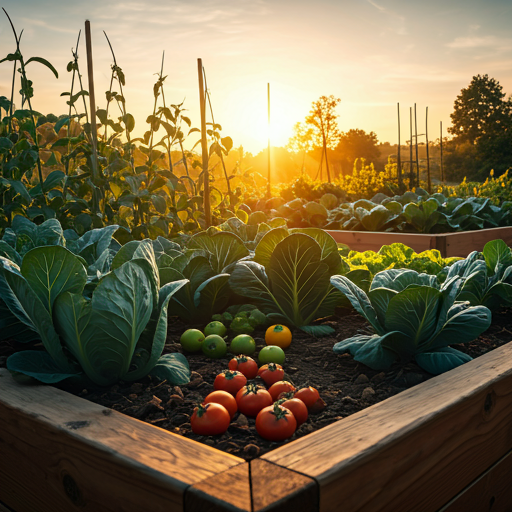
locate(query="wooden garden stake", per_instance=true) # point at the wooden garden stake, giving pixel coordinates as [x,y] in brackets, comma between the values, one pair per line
[441,144]
[92,101]
[204,147]
[399,162]
[411,168]
[416,142]
[268,110]
[429,182]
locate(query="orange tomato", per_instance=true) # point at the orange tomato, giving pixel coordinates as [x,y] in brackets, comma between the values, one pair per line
[278,335]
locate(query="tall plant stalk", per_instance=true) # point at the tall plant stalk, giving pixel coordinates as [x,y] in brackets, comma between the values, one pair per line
[27,94]
[207,92]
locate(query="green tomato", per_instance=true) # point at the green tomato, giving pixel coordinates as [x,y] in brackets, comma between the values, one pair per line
[214,346]
[192,340]
[271,354]
[215,328]
[243,344]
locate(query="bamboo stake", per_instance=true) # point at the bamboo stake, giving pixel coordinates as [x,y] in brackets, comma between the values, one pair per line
[411,168]
[416,142]
[268,163]
[441,143]
[429,182]
[92,101]
[399,162]
[204,147]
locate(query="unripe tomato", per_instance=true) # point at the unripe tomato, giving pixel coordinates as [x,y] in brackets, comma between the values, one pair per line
[271,373]
[278,335]
[210,420]
[308,395]
[214,346]
[215,327]
[223,398]
[271,354]
[230,381]
[251,399]
[275,423]
[192,340]
[245,364]
[282,386]
[297,407]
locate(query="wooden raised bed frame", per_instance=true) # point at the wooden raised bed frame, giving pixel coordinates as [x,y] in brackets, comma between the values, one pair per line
[444,445]
[448,244]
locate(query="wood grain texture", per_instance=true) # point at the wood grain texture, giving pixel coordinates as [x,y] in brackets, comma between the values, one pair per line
[60,453]
[277,489]
[491,492]
[448,244]
[461,244]
[416,450]
[3,508]
[229,491]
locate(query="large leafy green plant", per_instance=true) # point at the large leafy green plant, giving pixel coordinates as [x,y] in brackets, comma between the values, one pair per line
[487,281]
[412,317]
[289,277]
[119,333]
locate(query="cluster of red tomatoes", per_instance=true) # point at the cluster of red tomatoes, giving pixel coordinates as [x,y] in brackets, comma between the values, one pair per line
[278,410]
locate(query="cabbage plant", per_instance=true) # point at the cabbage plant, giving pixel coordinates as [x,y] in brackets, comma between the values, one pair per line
[413,317]
[487,281]
[289,277]
[117,333]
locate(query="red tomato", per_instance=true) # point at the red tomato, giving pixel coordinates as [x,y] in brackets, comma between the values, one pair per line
[297,407]
[210,420]
[271,373]
[252,398]
[244,364]
[275,423]
[281,386]
[230,381]
[308,395]
[223,398]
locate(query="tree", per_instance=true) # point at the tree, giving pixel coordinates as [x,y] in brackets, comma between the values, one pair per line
[482,129]
[480,111]
[357,144]
[301,140]
[323,119]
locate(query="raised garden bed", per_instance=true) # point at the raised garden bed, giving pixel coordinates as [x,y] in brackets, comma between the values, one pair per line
[448,244]
[437,446]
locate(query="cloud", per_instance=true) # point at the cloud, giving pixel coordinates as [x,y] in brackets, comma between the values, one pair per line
[44,24]
[397,20]
[485,42]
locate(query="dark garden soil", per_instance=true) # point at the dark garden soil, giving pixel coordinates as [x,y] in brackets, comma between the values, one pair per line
[344,385]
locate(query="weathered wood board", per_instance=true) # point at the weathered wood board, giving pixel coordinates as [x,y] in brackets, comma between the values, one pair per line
[60,453]
[414,451]
[448,244]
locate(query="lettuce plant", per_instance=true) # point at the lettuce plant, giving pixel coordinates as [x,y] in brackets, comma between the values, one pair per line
[118,333]
[412,317]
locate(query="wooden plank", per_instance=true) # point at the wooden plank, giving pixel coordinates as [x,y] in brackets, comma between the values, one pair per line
[491,491]
[277,489]
[229,491]
[461,244]
[3,508]
[416,450]
[373,241]
[448,244]
[60,453]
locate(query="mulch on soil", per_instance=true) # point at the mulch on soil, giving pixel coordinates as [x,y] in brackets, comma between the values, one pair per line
[345,386]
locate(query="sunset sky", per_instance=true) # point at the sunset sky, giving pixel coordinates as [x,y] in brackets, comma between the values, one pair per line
[370,53]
